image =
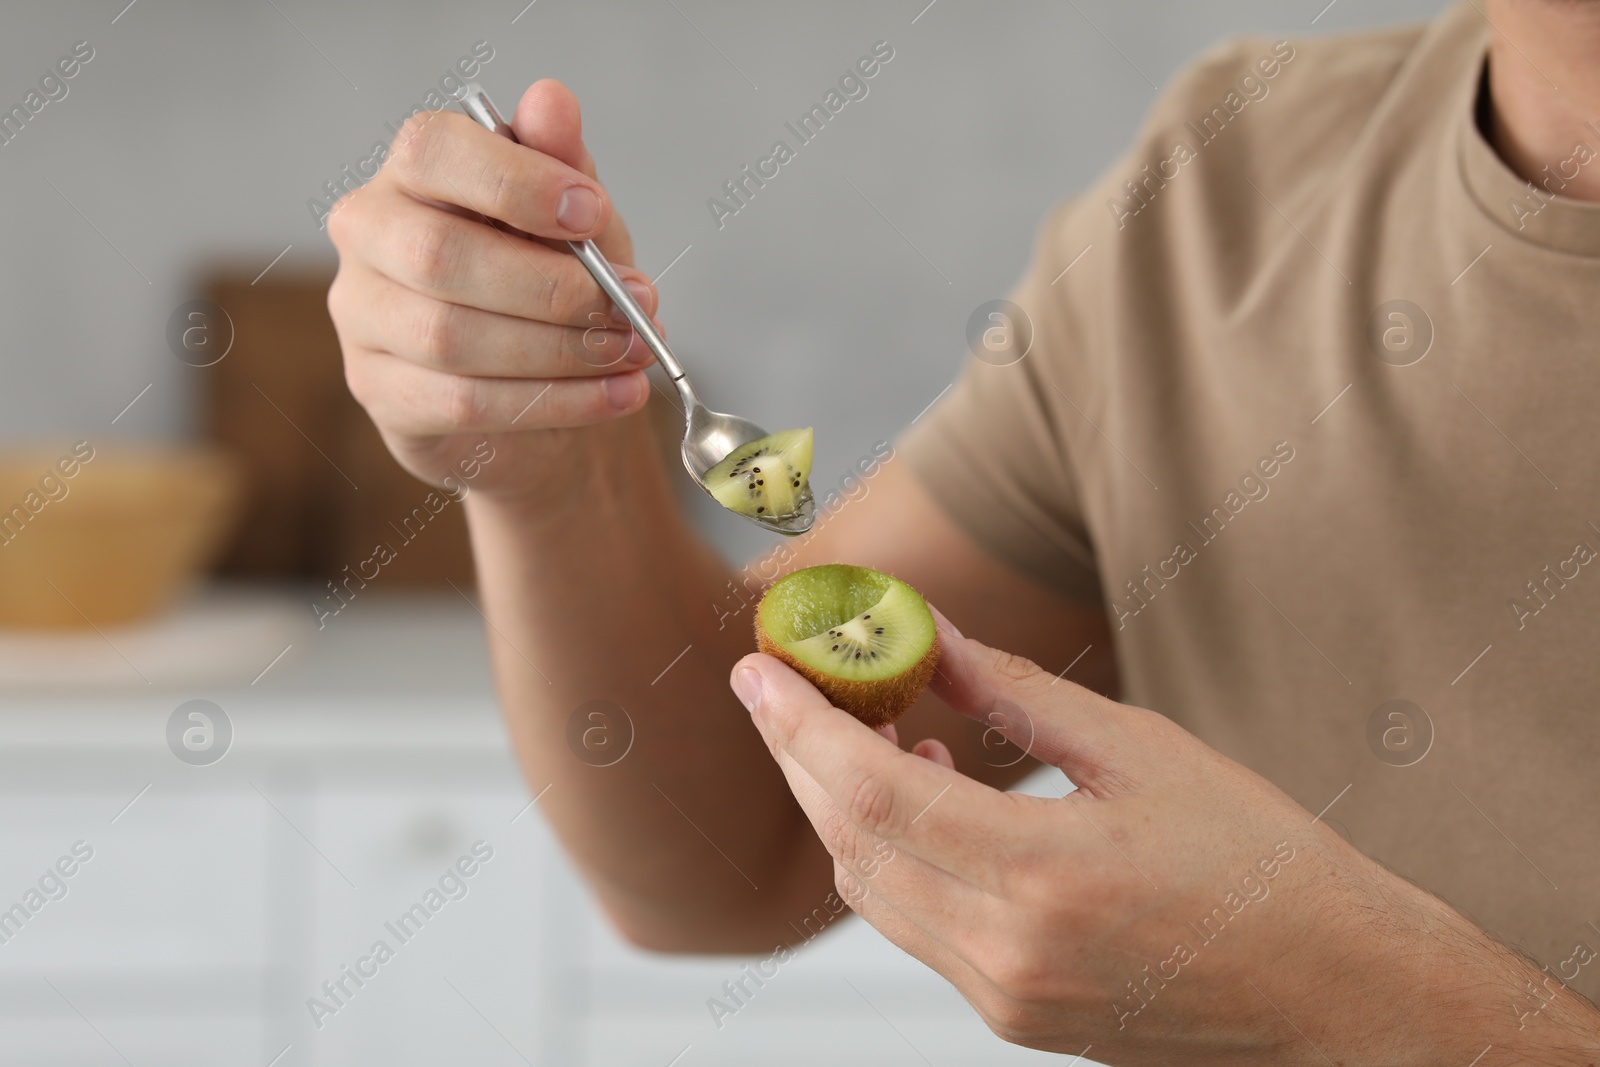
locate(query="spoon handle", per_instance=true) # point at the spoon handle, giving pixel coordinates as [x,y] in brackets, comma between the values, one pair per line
[606,275]
[475,102]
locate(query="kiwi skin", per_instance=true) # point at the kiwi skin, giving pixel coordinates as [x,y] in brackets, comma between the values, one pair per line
[876,703]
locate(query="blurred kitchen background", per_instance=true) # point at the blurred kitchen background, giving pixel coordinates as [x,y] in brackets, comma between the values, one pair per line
[179,564]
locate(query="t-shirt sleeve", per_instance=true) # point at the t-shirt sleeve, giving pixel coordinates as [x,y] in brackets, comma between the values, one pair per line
[992,452]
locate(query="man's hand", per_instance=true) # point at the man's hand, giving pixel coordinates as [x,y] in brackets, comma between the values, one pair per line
[1174,908]
[469,329]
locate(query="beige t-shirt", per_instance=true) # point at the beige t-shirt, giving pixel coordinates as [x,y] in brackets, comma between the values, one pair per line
[1309,405]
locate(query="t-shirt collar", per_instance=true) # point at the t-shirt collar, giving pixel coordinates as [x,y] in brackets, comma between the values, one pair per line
[1530,211]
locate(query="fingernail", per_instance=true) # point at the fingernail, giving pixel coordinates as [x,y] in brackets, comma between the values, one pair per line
[640,293]
[942,623]
[578,209]
[624,391]
[638,353]
[747,687]
[641,296]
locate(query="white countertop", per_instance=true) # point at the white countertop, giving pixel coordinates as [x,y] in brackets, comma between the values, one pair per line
[396,669]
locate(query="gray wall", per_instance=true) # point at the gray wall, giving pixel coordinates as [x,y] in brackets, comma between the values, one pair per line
[199,130]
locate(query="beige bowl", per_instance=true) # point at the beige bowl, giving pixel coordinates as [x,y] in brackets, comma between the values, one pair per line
[109,534]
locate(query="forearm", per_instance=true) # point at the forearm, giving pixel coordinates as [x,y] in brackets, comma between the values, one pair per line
[691,839]
[1446,990]
[1494,996]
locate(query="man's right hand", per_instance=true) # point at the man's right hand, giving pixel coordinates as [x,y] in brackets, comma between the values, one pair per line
[456,330]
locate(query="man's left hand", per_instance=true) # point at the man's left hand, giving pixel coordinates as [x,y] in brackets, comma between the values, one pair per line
[1175,907]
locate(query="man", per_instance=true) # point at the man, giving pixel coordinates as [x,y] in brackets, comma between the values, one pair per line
[1282,450]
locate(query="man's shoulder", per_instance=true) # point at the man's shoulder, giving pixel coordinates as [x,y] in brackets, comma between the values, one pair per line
[1279,110]
[1344,71]
[1252,133]
[1251,128]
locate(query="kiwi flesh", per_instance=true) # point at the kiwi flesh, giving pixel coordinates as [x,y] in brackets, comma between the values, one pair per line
[866,640]
[768,478]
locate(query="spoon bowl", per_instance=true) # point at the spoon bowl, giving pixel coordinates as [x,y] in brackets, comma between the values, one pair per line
[710,437]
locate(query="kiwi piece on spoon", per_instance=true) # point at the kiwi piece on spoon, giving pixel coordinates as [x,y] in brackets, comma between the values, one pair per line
[765,478]
[864,639]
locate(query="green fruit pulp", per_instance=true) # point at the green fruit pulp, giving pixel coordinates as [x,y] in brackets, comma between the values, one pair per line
[849,622]
[767,477]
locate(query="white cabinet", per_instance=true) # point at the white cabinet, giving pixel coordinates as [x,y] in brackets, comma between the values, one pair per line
[363,767]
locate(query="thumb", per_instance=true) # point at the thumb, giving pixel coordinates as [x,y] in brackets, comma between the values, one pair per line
[549,120]
[792,716]
[772,691]
[1054,721]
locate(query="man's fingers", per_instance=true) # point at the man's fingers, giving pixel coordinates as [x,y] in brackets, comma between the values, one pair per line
[403,397]
[916,941]
[466,340]
[446,156]
[931,748]
[1052,720]
[931,811]
[946,907]
[466,261]
[939,901]
[945,921]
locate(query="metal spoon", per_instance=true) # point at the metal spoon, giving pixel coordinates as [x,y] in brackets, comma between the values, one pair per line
[709,436]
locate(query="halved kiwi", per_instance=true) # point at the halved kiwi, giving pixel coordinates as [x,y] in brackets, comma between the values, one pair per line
[864,639]
[765,478]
